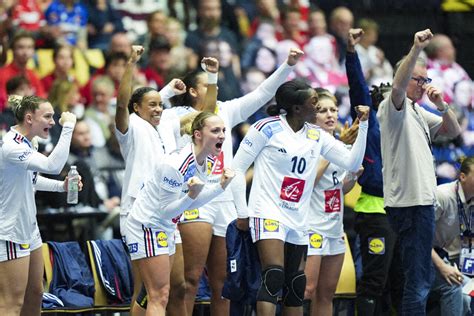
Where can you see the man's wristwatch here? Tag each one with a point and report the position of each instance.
(445, 108)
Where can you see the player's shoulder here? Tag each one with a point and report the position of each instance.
(269, 126)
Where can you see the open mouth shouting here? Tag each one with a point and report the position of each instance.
(218, 148)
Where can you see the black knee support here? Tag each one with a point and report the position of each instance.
(273, 278)
(294, 289)
(142, 298)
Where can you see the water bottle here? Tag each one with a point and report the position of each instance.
(73, 186)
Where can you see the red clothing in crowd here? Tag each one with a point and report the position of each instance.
(11, 70)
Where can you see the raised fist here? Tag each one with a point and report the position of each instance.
(362, 112)
(422, 38)
(178, 86)
(210, 64)
(67, 117)
(294, 55)
(354, 37)
(137, 52)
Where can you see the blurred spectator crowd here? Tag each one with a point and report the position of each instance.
(86, 44)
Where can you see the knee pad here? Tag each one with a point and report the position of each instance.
(273, 279)
(142, 298)
(295, 286)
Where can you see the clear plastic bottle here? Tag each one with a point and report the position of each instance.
(73, 186)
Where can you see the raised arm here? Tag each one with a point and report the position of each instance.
(405, 70)
(351, 159)
(125, 90)
(174, 87)
(358, 90)
(54, 163)
(211, 66)
(241, 108)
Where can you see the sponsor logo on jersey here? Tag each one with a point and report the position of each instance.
(315, 241)
(292, 189)
(332, 201)
(377, 246)
(25, 155)
(288, 206)
(247, 142)
(172, 182)
(191, 214)
(313, 134)
(218, 167)
(24, 246)
(282, 150)
(189, 172)
(132, 248)
(161, 239)
(270, 225)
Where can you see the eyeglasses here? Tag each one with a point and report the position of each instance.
(421, 81)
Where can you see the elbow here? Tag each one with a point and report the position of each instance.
(451, 132)
(354, 168)
(55, 169)
(457, 131)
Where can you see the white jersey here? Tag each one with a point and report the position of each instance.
(327, 203)
(285, 167)
(164, 196)
(236, 111)
(19, 167)
(143, 147)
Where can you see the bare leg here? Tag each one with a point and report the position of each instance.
(155, 273)
(177, 306)
(328, 277)
(196, 239)
(313, 265)
(13, 282)
(34, 288)
(135, 309)
(216, 266)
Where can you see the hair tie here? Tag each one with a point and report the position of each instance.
(15, 101)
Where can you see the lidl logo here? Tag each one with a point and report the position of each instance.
(162, 239)
(313, 134)
(377, 246)
(270, 225)
(24, 246)
(315, 241)
(191, 214)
